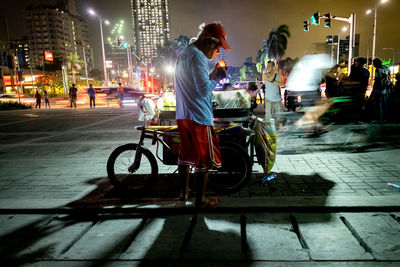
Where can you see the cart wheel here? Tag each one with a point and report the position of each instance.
(132, 183)
(235, 171)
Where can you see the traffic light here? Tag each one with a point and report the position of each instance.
(315, 18)
(306, 26)
(119, 42)
(328, 20)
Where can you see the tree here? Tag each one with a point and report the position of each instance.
(74, 62)
(277, 42)
(262, 58)
(52, 82)
(169, 52)
(248, 71)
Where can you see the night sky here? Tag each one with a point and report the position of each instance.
(248, 22)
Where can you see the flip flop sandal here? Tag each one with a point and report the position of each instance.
(212, 203)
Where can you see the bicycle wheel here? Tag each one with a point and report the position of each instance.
(235, 171)
(126, 180)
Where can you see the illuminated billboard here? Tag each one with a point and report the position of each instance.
(48, 56)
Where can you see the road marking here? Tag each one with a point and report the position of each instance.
(28, 142)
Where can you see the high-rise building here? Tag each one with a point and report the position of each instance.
(21, 51)
(115, 50)
(57, 29)
(150, 26)
(332, 44)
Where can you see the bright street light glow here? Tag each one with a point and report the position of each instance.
(91, 12)
(169, 69)
(369, 11)
(106, 22)
(384, 1)
(344, 29)
(121, 37)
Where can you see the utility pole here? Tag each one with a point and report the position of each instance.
(84, 59)
(351, 20)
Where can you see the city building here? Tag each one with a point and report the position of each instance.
(21, 52)
(57, 29)
(150, 20)
(332, 44)
(116, 52)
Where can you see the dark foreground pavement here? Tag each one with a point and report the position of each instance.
(330, 205)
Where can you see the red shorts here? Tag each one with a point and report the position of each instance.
(199, 146)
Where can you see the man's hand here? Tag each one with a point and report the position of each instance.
(218, 73)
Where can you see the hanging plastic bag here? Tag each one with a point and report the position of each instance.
(265, 142)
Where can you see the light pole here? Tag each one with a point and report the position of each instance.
(375, 15)
(83, 44)
(152, 69)
(91, 12)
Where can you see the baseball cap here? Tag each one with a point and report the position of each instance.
(218, 31)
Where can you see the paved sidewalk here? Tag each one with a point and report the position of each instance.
(329, 206)
(60, 157)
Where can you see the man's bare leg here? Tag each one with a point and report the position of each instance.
(184, 176)
(201, 185)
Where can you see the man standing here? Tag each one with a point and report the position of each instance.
(73, 93)
(361, 75)
(120, 91)
(194, 115)
(273, 100)
(381, 90)
(92, 95)
(38, 98)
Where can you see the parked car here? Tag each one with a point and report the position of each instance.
(8, 97)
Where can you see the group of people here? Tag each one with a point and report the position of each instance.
(384, 95)
(38, 98)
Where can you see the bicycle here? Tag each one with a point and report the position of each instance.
(133, 168)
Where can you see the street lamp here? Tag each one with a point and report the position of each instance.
(91, 12)
(369, 11)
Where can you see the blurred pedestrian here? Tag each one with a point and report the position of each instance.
(194, 115)
(120, 91)
(73, 94)
(92, 96)
(273, 100)
(260, 92)
(361, 75)
(253, 92)
(332, 80)
(394, 100)
(381, 90)
(46, 98)
(38, 98)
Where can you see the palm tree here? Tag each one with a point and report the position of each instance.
(74, 63)
(277, 42)
(262, 58)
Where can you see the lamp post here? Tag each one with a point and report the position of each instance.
(91, 12)
(375, 16)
